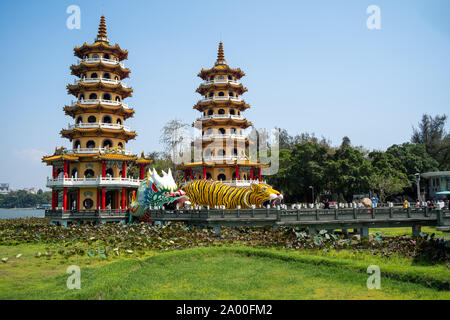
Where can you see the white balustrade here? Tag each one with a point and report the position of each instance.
(97, 150)
(224, 158)
(103, 80)
(208, 82)
(107, 61)
(99, 181)
(223, 136)
(221, 116)
(221, 98)
(102, 101)
(99, 125)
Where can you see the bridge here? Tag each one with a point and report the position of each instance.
(360, 219)
(314, 219)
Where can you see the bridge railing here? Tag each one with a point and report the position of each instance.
(299, 216)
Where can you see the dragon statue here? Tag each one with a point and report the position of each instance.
(162, 191)
(157, 191)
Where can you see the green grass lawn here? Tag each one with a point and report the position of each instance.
(218, 273)
(407, 231)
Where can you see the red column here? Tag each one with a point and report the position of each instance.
(65, 199)
(124, 169)
(185, 174)
(103, 169)
(192, 175)
(204, 173)
(78, 200)
(53, 199)
(54, 172)
(65, 169)
(251, 173)
(259, 174)
(98, 199)
(142, 174)
(103, 198)
(123, 199)
(237, 172)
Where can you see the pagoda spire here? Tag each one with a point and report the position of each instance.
(101, 36)
(220, 55)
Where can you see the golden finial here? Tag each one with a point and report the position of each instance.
(101, 36)
(220, 55)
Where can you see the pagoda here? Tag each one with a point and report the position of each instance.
(222, 125)
(93, 175)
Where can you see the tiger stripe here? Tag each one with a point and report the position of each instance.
(214, 193)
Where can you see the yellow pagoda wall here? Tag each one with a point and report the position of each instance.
(98, 141)
(99, 116)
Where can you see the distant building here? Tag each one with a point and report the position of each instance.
(438, 184)
(31, 190)
(4, 188)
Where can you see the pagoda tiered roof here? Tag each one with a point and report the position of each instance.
(220, 67)
(79, 108)
(242, 123)
(94, 132)
(101, 44)
(100, 64)
(204, 105)
(205, 88)
(118, 88)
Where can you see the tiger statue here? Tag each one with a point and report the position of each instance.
(214, 193)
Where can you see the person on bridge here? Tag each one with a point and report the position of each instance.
(405, 204)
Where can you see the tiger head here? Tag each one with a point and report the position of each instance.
(265, 194)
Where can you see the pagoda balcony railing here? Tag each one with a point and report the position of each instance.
(221, 98)
(208, 82)
(107, 61)
(102, 101)
(97, 150)
(224, 158)
(221, 116)
(99, 181)
(103, 80)
(224, 136)
(99, 125)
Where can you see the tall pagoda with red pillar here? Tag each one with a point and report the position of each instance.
(224, 145)
(93, 175)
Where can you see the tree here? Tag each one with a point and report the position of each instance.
(387, 177)
(431, 132)
(412, 159)
(301, 167)
(348, 171)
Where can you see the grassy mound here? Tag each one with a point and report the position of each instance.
(223, 273)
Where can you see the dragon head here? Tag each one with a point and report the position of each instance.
(157, 191)
(163, 191)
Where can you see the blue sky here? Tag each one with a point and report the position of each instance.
(312, 66)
